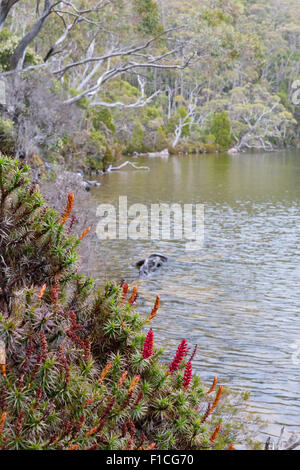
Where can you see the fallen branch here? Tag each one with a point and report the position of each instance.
(113, 168)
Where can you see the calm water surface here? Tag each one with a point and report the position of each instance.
(238, 298)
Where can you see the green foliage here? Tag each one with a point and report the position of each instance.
(181, 112)
(8, 44)
(108, 157)
(137, 140)
(104, 116)
(220, 129)
(149, 16)
(97, 139)
(83, 102)
(215, 16)
(33, 244)
(7, 139)
(6, 127)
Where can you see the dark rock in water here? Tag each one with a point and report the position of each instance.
(150, 264)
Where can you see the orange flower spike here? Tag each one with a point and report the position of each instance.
(155, 308)
(212, 388)
(215, 434)
(217, 399)
(2, 422)
(69, 208)
(122, 379)
(231, 447)
(3, 368)
(125, 291)
(151, 446)
(134, 384)
(133, 295)
(87, 230)
(91, 431)
(105, 372)
(75, 447)
(42, 291)
(88, 402)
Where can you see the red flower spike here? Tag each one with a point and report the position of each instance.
(187, 375)
(179, 356)
(148, 345)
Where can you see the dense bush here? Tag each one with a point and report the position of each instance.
(220, 129)
(78, 371)
(33, 243)
(6, 135)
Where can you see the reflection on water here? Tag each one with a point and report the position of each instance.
(238, 297)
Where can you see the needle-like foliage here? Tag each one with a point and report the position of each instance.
(33, 245)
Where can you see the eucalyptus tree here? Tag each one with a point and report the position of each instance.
(79, 49)
(91, 43)
(258, 119)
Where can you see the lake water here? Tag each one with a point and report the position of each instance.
(238, 297)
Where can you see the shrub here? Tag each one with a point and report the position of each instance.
(77, 370)
(7, 139)
(80, 374)
(104, 116)
(33, 244)
(220, 129)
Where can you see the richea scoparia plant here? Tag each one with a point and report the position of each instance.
(79, 367)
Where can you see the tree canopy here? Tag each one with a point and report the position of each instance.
(189, 61)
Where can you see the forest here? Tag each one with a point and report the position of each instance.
(190, 77)
(88, 87)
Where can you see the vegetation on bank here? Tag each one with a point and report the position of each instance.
(79, 366)
(102, 79)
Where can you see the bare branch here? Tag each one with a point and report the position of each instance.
(114, 168)
(139, 103)
(117, 71)
(119, 53)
